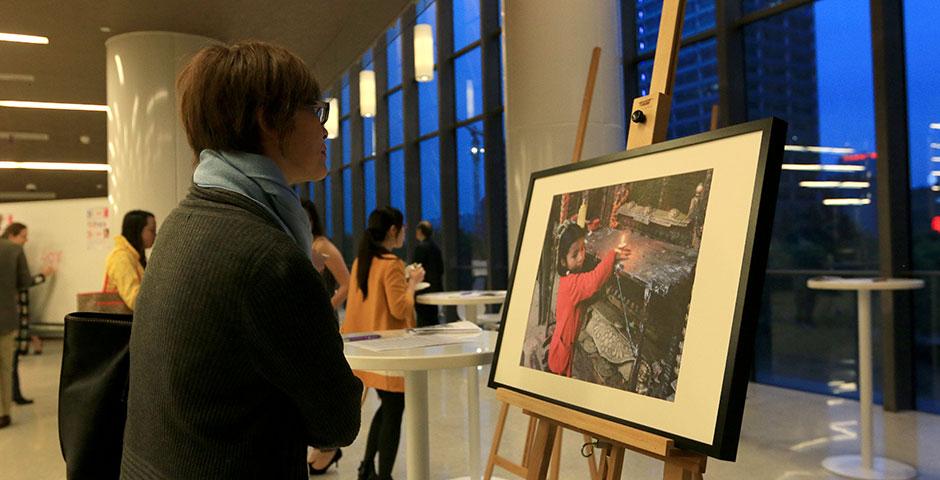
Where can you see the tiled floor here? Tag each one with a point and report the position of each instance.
(786, 434)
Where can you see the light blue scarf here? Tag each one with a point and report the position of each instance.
(258, 178)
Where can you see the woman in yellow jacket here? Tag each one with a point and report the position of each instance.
(124, 267)
(381, 298)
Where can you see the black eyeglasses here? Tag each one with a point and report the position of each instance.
(321, 109)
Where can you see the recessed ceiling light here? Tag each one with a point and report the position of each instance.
(31, 187)
(85, 139)
(54, 106)
(16, 77)
(86, 167)
(106, 29)
(15, 37)
(12, 136)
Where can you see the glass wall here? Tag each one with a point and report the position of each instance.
(809, 63)
(921, 18)
(405, 165)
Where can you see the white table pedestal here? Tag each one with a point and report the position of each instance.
(866, 465)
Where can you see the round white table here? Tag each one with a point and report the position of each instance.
(414, 365)
(866, 466)
(470, 299)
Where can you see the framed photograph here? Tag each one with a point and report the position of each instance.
(637, 281)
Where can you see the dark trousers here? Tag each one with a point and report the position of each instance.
(427, 315)
(385, 432)
(17, 394)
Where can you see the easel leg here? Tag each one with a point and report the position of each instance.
(497, 438)
(614, 462)
(593, 460)
(529, 437)
(556, 455)
(541, 449)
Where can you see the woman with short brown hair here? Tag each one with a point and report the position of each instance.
(237, 361)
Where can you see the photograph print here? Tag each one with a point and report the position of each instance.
(614, 283)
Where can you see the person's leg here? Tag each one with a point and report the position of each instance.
(372, 441)
(7, 344)
(393, 404)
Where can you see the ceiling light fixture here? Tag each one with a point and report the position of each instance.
(367, 93)
(13, 136)
(15, 37)
(812, 149)
(935, 126)
(84, 107)
(834, 202)
(17, 77)
(332, 122)
(834, 184)
(815, 167)
(424, 52)
(83, 167)
(120, 68)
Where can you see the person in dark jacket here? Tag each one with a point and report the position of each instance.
(429, 256)
(236, 359)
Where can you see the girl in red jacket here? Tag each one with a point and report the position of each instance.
(575, 287)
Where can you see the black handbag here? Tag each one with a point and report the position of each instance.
(93, 394)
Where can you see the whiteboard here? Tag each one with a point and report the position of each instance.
(63, 226)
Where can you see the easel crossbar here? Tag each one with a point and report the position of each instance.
(632, 438)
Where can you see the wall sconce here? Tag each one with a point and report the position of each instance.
(424, 53)
(367, 93)
(332, 122)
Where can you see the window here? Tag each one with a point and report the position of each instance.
(396, 124)
(427, 107)
(431, 182)
(348, 229)
(472, 250)
(800, 65)
(347, 140)
(393, 55)
(368, 137)
(328, 205)
(468, 85)
(396, 174)
(695, 89)
(368, 174)
(921, 18)
(344, 97)
(466, 22)
(699, 17)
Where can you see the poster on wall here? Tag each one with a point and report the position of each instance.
(98, 228)
(635, 289)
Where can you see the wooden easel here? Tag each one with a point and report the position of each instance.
(648, 123)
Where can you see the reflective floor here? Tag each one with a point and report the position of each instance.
(786, 434)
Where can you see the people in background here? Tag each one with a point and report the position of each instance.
(124, 267)
(14, 277)
(335, 275)
(238, 362)
(334, 272)
(380, 298)
(429, 256)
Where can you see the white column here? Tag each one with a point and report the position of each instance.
(547, 49)
(151, 162)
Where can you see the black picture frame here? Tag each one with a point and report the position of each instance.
(740, 348)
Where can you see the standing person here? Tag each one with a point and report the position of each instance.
(429, 256)
(381, 299)
(336, 278)
(124, 267)
(14, 277)
(237, 360)
(334, 272)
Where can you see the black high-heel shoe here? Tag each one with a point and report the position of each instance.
(337, 454)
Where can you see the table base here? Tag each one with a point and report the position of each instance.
(882, 468)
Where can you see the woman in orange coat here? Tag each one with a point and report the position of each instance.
(381, 298)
